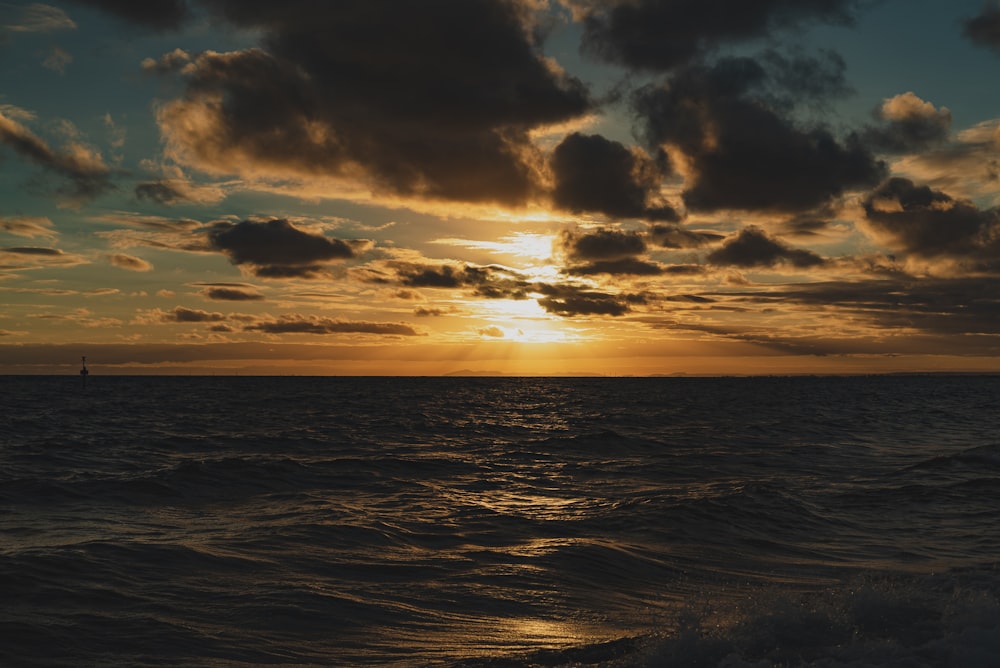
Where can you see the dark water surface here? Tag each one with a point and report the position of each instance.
(500, 522)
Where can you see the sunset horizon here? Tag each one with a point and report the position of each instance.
(518, 360)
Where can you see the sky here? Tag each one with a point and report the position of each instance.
(612, 187)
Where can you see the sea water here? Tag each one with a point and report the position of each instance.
(211, 521)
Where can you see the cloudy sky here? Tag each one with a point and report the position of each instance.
(511, 186)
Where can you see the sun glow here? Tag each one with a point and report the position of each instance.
(526, 334)
(528, 245)
(523, 321)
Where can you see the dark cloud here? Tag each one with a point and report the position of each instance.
(33, 250)
(571, 300)
(625, 266)
(431, 99)
(89, 177)
(603, 251)
(594, 174)
(909, 124)
(732, 123)
(154, 14)
(301, 324)
(445, 276)
(753, 248)
(602, 244)
(503, 288)
(674, 236)
(187, 315)
(491, 282)
(238, 286)
(930, 223)
(276, 248)
(984, 29)
(616, 252)
(231, 294)
(664, 34)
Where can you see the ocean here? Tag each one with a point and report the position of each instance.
(500, 522)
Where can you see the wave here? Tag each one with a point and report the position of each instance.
(877, 621)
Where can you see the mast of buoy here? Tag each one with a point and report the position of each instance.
(83, 371)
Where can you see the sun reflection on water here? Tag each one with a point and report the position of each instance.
(534, 505)
(538, 632)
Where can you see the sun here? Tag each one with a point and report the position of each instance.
(529, 245)
(522, 321)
